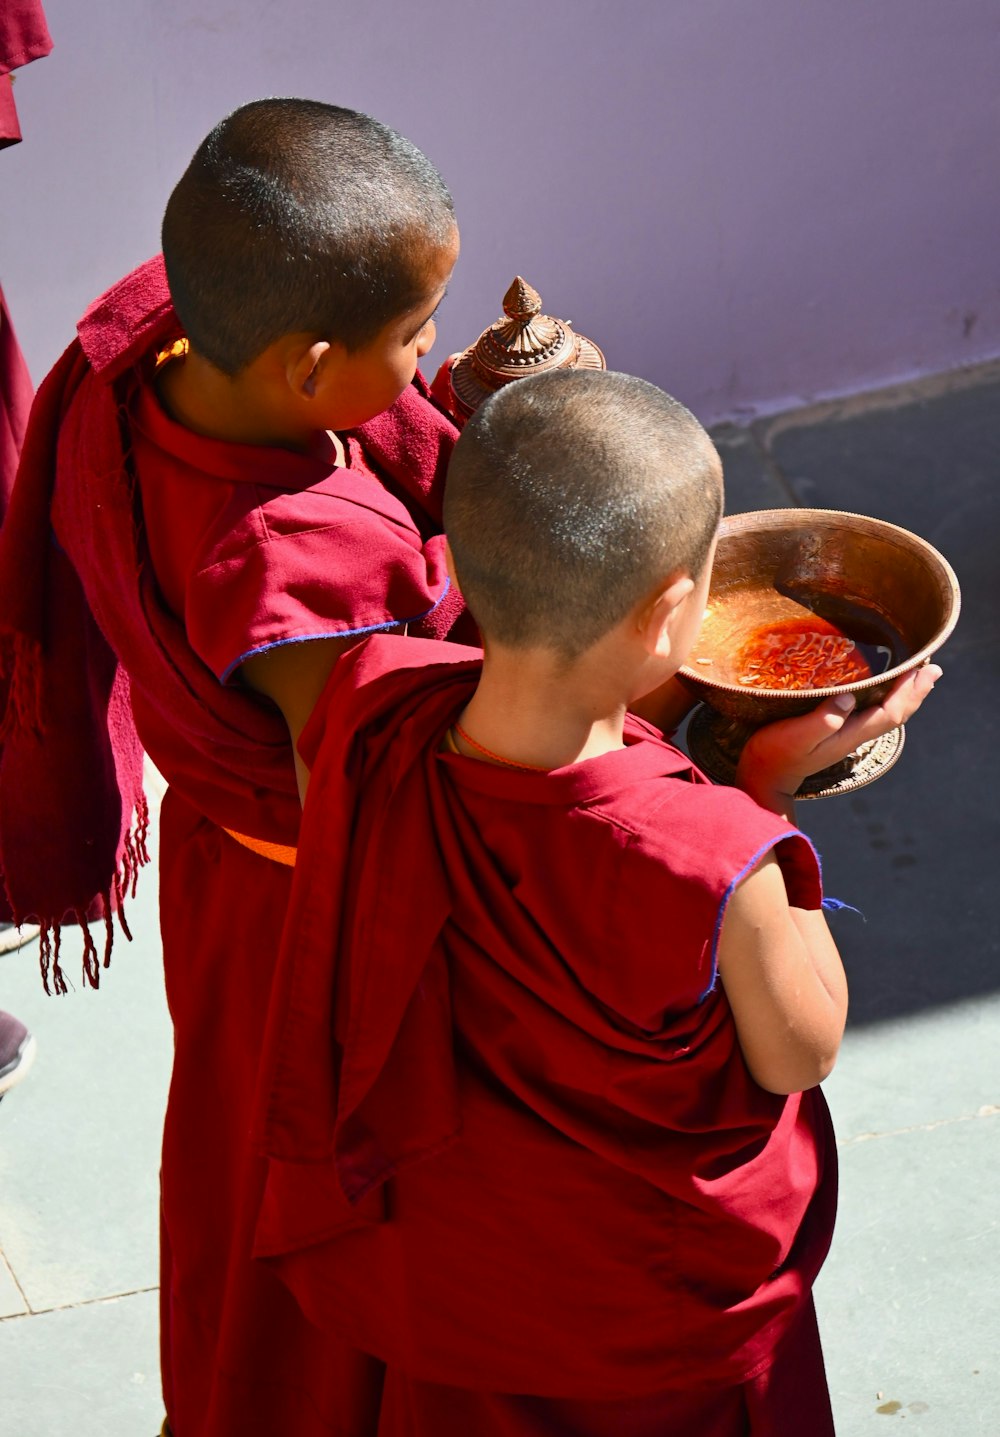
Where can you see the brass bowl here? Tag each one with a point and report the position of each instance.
(878, 583)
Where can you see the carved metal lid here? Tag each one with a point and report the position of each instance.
(523, 342)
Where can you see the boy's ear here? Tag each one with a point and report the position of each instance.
(304, 366)
(658, 614)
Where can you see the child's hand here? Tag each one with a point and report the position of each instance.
(781, 755)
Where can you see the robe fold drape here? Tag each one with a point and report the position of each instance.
(511, 1144)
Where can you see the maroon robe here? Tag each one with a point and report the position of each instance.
(24, 36)
(16, 393)
(511, 1143)
(261, 547)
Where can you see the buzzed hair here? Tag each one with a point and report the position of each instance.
(296, 215)
(570, 495)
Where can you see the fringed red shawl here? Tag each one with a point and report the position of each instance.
(81, 630)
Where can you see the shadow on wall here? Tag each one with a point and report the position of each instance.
(913, 850)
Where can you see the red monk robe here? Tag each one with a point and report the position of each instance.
(16, 392)
(24, 36)
(512, 1144)
(190, 554)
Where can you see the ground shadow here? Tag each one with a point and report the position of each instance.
(914, 851)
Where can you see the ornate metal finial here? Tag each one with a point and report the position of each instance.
(523, 341)
(522, 301)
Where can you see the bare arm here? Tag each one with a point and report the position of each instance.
(779, 965)
(784, 981)
(294, 676)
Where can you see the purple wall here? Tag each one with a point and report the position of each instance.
(751, 204)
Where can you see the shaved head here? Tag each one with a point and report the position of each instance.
(570, 496)
(297, 216)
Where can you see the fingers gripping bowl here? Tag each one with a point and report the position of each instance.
(806, 604)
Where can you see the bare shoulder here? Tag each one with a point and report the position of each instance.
(293, 675)
(759, 899)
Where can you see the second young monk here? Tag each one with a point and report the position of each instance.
(243, 473)
(542, 1113)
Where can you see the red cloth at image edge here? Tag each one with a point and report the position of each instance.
(24, 36)
(16, 394)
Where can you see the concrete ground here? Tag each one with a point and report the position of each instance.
(909, 1300)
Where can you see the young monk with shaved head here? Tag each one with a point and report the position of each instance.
(541, 1100)
(243, 473)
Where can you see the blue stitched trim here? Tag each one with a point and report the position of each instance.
(836, 905)
(333, 634)
(733, 885)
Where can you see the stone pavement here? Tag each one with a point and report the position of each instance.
(909, 1300)
(79, 1158)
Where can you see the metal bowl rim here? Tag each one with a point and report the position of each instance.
(732, 523)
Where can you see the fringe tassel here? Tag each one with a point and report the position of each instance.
(121, 884)
(109, 929)
(141, 828)
(135, 855)
(48, 958)
(91, 961)
(20, 664)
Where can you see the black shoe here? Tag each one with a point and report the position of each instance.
(17, 1051)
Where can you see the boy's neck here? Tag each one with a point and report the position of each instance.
(533, 711)
(208, 402)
